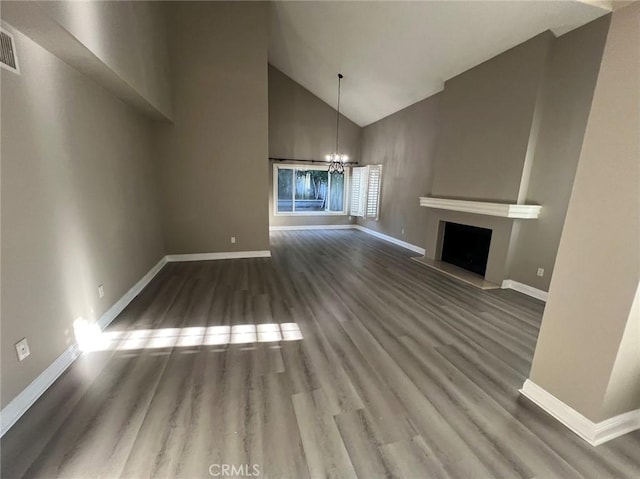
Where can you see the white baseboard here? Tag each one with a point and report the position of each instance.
(391, 239)
(525, 289)
(215, 256)
(23, 401)
(311, 227)
(124, 301)
(592, 432)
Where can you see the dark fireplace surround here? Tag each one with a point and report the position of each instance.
(466, 246)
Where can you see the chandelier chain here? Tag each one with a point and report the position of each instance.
(337, 160)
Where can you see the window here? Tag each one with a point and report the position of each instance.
(365, 191)
(309, 190)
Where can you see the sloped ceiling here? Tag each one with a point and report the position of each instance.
(396, 53)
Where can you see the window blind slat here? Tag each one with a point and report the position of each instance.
(356, 191)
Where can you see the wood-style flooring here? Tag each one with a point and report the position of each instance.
(401, 372)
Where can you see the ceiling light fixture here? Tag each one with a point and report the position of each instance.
(335, 159)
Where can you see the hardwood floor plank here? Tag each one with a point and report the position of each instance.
(165, 425)
(299, 368)
(333, 379)
(283, 454)
(325, 452)
(361, 444)
(408, 459)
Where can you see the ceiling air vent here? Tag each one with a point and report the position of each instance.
(8, 58)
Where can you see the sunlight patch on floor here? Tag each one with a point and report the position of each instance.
(90, 338)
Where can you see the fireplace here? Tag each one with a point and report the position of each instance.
(466, 247)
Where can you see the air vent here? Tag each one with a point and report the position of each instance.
(8, 58)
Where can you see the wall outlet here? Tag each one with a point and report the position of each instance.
(233, 240)
(101, 291)
(540, 271)
(402, 231)
(22, 348)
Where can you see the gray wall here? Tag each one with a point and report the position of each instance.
(79, 207)
(472, 140)
(129, 37)
(565, 103)
(120, 45)
(404, 143)
(303, 127)
(594, 289)
(213, 158)
(486, 117)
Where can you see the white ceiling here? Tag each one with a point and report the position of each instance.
(394, 53)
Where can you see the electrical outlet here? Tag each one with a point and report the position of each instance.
(402, 231)
(100, 291)
(233, 240)
(540, 271)
(22, 348)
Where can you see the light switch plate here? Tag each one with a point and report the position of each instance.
(22, 348)
(101, 291)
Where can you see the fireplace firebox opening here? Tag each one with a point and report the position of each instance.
(466, 247)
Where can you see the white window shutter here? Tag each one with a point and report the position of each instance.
(373, 192)
(365, 191)
(357, 183)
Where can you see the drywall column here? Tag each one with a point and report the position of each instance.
(598, 264)
(214, 157)
(565, 104)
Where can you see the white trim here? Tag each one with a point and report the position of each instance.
(215, 256)
(113, 312)
(594, 433)
(483, 208)
(391, 239)
(525, 289)
(312, 227)
(23, 401)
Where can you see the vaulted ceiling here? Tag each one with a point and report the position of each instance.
(395, 53)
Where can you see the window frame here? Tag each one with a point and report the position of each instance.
(346, 186)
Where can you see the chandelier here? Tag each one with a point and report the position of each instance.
(336, 159)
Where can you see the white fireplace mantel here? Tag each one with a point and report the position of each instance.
(481, 208)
